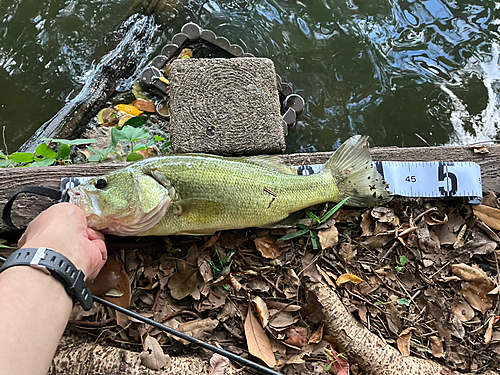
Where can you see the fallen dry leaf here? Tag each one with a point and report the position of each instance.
(257, 341)
(488, 335)
(317, 335)
(297, 336)
(200, 329)
(433, 219)
(182, 284)
(489, 215)
(366, 224)
(268, 247)
(218, 363)
(436, 347)
(462, 310)
(262, 311)
(479, 149)
(113, 284)
(282, 306)
(347, 252)
(383, 214)
(347, 277)
(282, 320)
(328, 237)
(153, 356)
(475, 286)
(144, 105)
(404, 341)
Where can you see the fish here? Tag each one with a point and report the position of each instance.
(200, 194)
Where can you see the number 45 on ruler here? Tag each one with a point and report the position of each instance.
(432, 179)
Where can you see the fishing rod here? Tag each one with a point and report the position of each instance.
(191, 339)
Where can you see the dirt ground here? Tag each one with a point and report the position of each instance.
(421, 275)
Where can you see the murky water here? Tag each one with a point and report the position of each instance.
(388, 68)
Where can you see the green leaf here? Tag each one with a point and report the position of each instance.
(165, 146)
(71, 142)
(139, 146)
(333, 210)
(403, 260)
(134, 156)
(43, 163)
(403, 301)
(315, 240)
(94, 158)
(156, 138)
(378, 303)
(6, 163)
(289, 236)
(136, 122)
(399, 268)
(22, 157)
(45, 151)
(313, 216)
(134, 134)
(3, 156)
(63, 152)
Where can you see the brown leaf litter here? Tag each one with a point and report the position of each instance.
(422, 276)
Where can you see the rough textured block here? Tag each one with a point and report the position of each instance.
(225, 107)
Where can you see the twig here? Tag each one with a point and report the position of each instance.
(90, 324)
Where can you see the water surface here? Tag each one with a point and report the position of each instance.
(389, 69)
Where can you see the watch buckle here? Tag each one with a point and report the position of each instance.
(39, 255)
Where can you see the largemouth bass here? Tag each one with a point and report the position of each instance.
(198, 194)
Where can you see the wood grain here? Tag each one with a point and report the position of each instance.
(27, 206)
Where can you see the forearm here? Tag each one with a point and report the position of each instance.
(34, 310)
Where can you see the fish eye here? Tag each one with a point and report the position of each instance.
(101, 183)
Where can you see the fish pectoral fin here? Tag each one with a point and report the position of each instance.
(198, 209)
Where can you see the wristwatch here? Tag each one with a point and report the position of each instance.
(57, 265)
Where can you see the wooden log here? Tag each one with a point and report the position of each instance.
(25, 209)
(117, 64)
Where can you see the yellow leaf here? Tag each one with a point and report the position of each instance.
(489, 215)
(346, 277)
(127, 108)
(164, 80)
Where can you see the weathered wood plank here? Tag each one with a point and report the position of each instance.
(12, 179)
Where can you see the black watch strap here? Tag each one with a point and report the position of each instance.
(57, 265)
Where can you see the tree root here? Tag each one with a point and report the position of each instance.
(75, 356)
(374, 356)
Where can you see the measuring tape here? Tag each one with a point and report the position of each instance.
(434, 179)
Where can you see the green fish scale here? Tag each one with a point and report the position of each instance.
(220, 193)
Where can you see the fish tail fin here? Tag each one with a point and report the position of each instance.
(351, 166)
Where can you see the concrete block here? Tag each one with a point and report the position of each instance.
(225, 107)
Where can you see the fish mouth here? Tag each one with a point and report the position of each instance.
(119, 224)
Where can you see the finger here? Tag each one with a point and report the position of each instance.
(101, 246)
(94, 235)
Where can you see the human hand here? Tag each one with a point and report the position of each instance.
(63, 227)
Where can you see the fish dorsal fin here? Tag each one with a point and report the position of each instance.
(269, 161)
